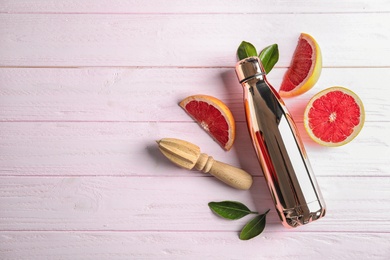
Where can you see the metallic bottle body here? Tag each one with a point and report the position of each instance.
(279, 149)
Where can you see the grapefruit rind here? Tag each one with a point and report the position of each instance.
(222, 108)
(312, 76)
(356, 129)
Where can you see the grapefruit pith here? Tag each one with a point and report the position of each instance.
(305, 68)
(334, 116)
(213, 116)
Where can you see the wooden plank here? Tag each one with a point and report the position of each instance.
(191, 245)
(119, 94)
(129, 149)
(80, 173)
(210, 41)
(358, 204)
(192, 6)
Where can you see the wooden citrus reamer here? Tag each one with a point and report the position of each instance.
(189, 156)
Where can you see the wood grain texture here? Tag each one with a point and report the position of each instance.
(86, 87)
(153, 94)
(176, 204)
(209, 40)
(191, 6)
(129, 149)
(191, 245)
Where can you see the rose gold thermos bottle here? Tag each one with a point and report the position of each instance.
(279, 148)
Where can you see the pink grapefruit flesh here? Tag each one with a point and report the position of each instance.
(213, 116)
(334, 116)
(305, 68)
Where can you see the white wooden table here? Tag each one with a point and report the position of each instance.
(86, 87)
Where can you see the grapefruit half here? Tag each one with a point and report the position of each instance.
(305, 68)
(334, 116)
(213, 116)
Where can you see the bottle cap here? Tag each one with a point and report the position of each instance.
(248, 68)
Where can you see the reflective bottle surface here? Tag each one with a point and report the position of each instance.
(279, 148)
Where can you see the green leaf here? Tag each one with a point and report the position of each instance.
(230, 209)
(269, 56)
(254, 227)
(245, 50)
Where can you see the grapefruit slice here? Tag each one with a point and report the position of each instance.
(213, 116)
(334, 116)
(305, 68)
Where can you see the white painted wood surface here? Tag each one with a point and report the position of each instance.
(86, 87)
